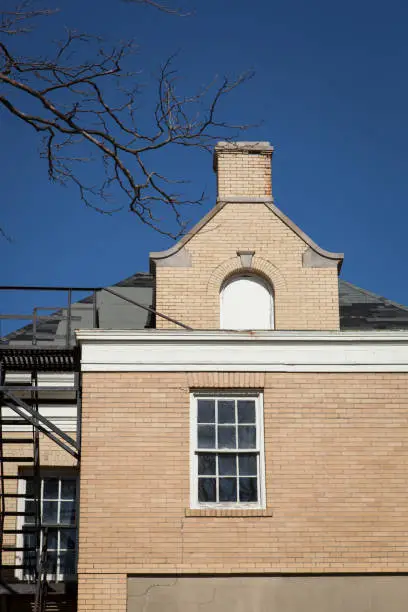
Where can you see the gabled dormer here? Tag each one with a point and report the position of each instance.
(245, 265)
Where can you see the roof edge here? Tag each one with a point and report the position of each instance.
(261, 336)
(374, 295)
(269, 203)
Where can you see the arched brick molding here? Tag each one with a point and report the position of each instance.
(264, 268)
(260, 266)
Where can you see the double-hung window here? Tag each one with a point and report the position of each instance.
(58, 513)
(227, 451)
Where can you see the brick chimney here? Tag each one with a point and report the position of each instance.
(244, 169)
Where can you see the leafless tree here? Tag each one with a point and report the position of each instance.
(87, 110)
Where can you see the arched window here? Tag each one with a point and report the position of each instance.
(246, 302)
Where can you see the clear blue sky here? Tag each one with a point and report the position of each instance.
(331, 91)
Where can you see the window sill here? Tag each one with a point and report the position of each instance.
(227, 512)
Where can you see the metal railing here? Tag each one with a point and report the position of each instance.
(48, 323)
(52, 326)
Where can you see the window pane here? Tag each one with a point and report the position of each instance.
(227, 465)
(68, 489)
(226, 411)
(50, 488)
(50, 512)
(52, 562)
(228, 489)
(67, 539)
(246, 436)
(206, 490)
(248, 465)
(226, 437)
(52, 539)
(205, 411)
(29, 559)
(248, 490)
(206, 465)
(29, 540)
(67, 512)
(67, 562)
(30, 508)
(206, 436)
(246, 411)
(29, 491)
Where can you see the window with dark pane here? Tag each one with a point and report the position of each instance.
(227, 451)
(207, 489)
(226, 411)
(205, 411)
(58, 513)
(246, 411)
(206, 436)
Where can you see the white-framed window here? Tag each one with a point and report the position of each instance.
(58, 514)
(246, 302)
(227, 450)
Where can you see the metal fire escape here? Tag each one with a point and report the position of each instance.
(43, 347)
(46, 344)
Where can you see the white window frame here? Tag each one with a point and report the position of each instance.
(195, 451)
(61, 474)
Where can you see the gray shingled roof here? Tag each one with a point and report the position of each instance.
(364, 310)
(359, 310)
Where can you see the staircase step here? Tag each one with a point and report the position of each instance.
(14, 422)
(17, 459)
(15, 495)
(20, 566)
(29, 589)
(17, 441)
(32, 529)
(17, 513)
(17, 477)
(7, 548)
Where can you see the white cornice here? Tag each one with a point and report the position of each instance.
(156, 335)
(273, 351)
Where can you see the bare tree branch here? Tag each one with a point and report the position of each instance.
(87, 112)
(18, 20)
(162, 7)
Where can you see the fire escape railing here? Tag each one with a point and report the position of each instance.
(35, 333)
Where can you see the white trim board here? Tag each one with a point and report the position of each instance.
(226, 351)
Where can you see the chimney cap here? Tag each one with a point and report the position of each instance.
(247, 146)
(244, 145)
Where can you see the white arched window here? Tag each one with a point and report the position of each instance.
(246, 303)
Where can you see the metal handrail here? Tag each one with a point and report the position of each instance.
(66, 313)
(60, 313)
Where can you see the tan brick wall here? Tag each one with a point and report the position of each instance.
(244, 174)
(102, 593)
(336, 476)
(305, 298)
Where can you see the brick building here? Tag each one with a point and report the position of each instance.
(245, 451)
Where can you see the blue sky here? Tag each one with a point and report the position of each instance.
(330, 92)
